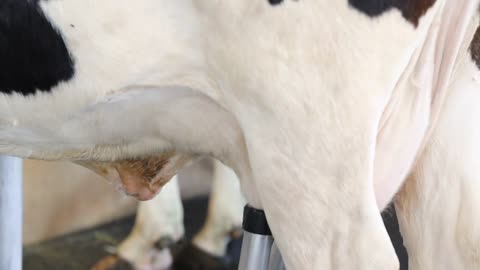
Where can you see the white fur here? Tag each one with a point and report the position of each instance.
(292, 97)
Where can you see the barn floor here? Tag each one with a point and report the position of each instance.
(79, 251)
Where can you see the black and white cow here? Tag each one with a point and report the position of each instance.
(324, 109)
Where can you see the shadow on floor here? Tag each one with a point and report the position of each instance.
(80, 250)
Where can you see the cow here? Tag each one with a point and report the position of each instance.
(159, 228)
(326, 110)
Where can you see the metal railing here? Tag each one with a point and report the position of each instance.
(10, 213)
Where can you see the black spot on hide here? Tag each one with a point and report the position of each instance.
(33, 54)
(412, 10)
(275, 2)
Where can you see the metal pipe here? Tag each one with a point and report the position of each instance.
(255, 251)
(10, 213)
(276, 260)
(257, 240)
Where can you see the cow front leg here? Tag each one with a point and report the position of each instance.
(209, 247)
(319, 199)
(312, 236)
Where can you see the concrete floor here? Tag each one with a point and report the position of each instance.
(79, 251)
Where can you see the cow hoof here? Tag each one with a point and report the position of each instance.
(236, 233)
(112, 262)
(166, 242)
(192, 258)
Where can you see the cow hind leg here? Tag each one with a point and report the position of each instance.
(159, 222)
(439, 206)
(208, 249)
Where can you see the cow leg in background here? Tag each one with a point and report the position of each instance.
(10, 213)
(439, 207)
(158, 221)
(224, 220)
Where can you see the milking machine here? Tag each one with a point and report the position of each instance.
(259, 251)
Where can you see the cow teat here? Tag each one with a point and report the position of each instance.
(141, 177)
